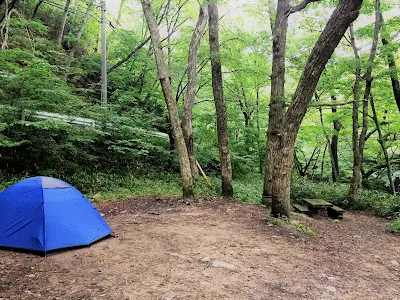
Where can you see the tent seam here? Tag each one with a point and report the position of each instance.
(44, 219)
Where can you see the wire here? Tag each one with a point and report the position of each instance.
(56, 5)
(121, 38)
(62, 3)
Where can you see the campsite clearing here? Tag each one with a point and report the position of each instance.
(214, 249)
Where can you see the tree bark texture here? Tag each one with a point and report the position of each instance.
(220, 104)
(277, 101)
(392, 65)
(383, 146)
(198, 33)
(63, 23)
(356, 104)
(285, 126)
(334, 146)
(187, 181)
(359, 154)
(80, 32)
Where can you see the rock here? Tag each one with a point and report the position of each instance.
(331, 289)
(206, 274)
(331, 278)
(30, 275)
(395, 263)
(177, 255)
(224, 265)
(357, 236)
(206, 259)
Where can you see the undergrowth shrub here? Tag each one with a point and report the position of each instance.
(380, 203)
(395, 226)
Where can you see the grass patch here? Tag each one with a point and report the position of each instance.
(301, 228)
(304, 216)
(277, 221)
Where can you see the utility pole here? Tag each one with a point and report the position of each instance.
(103, 54)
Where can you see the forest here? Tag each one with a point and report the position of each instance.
(262, 101)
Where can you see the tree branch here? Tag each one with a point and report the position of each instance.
(300, 6)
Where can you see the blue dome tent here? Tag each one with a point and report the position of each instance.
(45, 214)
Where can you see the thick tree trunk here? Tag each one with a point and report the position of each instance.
(285, 136)
(198, 33)
(277, 101)
(392, 65)
(63, 23)
(383, 146)
(220, 104)
(334, 146)
(187, 181)
(80, 32)
(359, 154)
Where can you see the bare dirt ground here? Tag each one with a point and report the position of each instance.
(213, 250)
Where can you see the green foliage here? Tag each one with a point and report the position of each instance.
(277, 221)
(380, 203)
(395, 226)
(120, 157)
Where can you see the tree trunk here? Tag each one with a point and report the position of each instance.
(198, 33)
(329, 142)
(260, 155)
(8, 9)
(63, 23)
(80, 32)
(35, 11)
(383, 146)
(359, 154)
(334, 146)
(187, 181)
(284, 136)
(356, 98)
(323, 162)
(277, 102)
(121, 6)
(392, 65)
(220, 104)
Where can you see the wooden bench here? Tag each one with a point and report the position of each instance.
(335, 212)
(300, 208)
